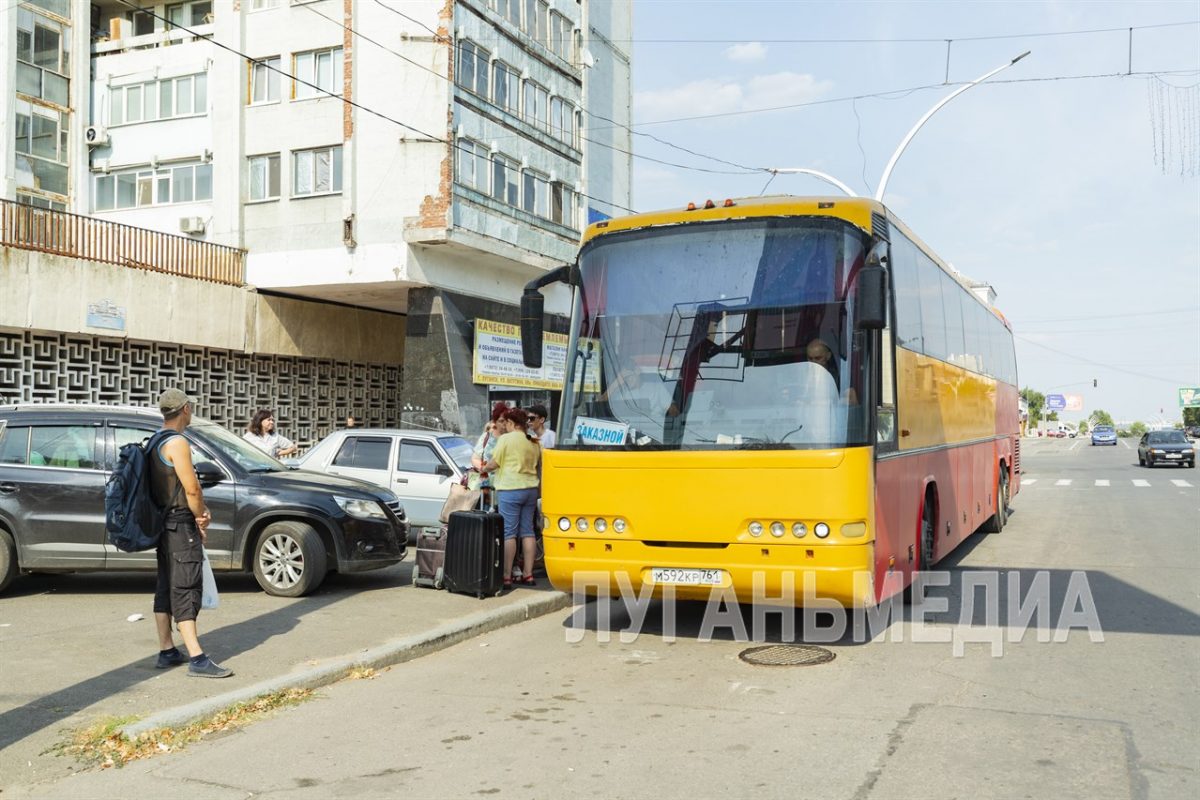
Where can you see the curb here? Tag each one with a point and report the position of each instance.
(396, 651)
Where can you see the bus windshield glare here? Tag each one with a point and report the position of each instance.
(730, 335)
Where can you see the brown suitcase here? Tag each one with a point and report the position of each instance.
(430, 559)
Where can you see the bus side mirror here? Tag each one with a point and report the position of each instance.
(870, 312)
(532, 305)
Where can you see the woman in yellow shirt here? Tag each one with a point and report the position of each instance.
(514, 464)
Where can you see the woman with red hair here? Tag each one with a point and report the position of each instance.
(479, 478)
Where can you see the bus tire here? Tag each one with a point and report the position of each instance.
(996, 522)
(925, 543)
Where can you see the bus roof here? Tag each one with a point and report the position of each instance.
(858, 211)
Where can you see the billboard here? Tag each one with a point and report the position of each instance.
(1189, 397)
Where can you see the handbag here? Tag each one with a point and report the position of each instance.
(460, 499)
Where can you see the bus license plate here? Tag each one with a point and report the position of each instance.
(686, 577)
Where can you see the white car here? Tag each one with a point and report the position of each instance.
(418, 465)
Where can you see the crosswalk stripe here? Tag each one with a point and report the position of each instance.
(1028, 481)
(1063, 482)
(1101, 482)
(1139, 482)
(1184, 484)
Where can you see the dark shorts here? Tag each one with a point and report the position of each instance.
(180, 577)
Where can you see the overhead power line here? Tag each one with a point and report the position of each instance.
(1102, 364)
(1180, 310)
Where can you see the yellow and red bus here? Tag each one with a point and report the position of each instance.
(769, 388)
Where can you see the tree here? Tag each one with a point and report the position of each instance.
(1037, 402)
(1191, 417)
(1100, 417)
(1083, 427)
(1052, 416)
(1137, 429)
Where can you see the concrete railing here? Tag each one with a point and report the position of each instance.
(76, 236)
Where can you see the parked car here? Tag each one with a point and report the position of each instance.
(1165, 447)
(1193, 432)
(1104, 434)
(418, 465)
(288, 527)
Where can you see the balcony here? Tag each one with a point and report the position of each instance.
(120, 30)
(76, 236)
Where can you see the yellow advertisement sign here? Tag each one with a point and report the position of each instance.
(497, 358)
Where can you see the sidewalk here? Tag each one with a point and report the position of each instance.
(72, 659)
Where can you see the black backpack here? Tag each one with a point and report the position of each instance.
(133, 521)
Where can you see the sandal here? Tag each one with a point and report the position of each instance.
(508, 583)
(528, 580)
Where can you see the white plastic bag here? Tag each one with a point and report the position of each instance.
(209, 599)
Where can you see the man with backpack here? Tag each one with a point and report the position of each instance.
(175, 488)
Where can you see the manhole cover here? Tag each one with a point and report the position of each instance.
(786, 655)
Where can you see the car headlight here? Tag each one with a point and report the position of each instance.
(361, 509)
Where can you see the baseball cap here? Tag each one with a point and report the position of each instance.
(172, 400)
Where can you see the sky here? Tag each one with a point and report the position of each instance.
(1077, 199)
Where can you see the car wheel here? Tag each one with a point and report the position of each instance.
(8, 560)
(289, 559)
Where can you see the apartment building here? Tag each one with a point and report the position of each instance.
(420, 158)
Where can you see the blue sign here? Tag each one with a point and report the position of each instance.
(1055, 402)
(600, 431)
(106, 314)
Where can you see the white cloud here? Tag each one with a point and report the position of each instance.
(747, 51)
(720, 96)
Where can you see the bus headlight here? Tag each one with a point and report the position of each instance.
(581, 525)
(821, 530)
(564, 524)
(777, 530)
(619, 525)
(756, 529)
(799, 530)
(601, 525)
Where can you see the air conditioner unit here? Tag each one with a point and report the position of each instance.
(96, 135)
(191, 224)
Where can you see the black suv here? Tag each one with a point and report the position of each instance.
(289, 527)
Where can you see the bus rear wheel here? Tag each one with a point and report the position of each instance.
(925, 555)
(996, 522)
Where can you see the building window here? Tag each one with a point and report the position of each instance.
(199, 12)
(473, 68)
(473, 165)
(317, 171)
(509, 9)
(535, 195)
(542, 28)
(560, 34)
(563, 205)
(167, 185)
(43, 58)
(505, 173)
(264, 80)
(506, 86)
(259, 5)
(184, 96)
(536, 99)
(320, 68)
(264, 177)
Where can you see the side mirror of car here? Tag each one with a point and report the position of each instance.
(444, 470)
(208, 472)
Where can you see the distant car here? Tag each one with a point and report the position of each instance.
(1104, 434)
(287, 527)
(418, 465)
(1165, 447)
(1193, 431)
(1072, 434)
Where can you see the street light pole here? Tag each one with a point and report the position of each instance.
(887, 172)
(815, 174)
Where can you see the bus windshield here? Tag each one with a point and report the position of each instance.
(719, 335)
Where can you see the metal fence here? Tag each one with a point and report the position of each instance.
(76, 236)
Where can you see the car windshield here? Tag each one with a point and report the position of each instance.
(235, 448)
(1167, 437)
(732, 334)
(458, 449)
(1103, 429)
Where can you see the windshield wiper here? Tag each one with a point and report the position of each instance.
(263, 469)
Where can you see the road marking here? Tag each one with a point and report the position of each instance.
(1184, 484)
(1077, 442)
(1063, 482)
(1140, 482)
(1028, 481)
(1101, 482)
(1125, 444)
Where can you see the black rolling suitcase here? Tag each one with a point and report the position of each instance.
(475, 553)
(429, 562)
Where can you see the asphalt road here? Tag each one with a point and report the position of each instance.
(561, 707)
